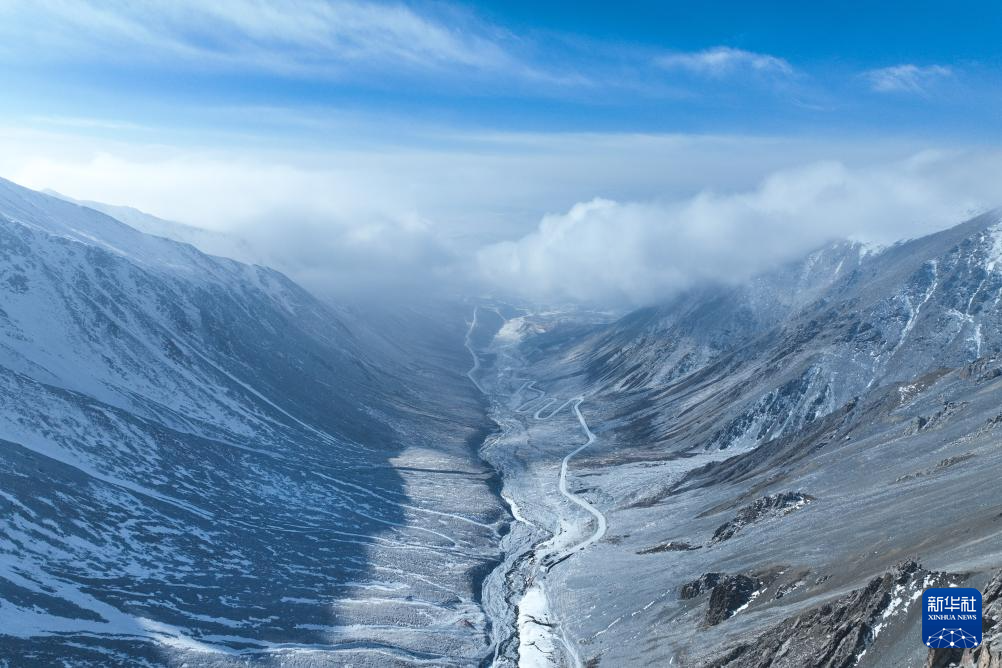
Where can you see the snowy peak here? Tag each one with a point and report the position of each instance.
(56, 217)
(207, 241)
(144, 323)
(798, 342)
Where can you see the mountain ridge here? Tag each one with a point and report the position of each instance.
(874, 392)
(204, 463)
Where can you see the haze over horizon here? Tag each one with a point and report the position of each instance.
(509, 148)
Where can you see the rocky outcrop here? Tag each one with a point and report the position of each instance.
(728, 596)
(833, 635)
(670, 546)
(705, 582)
(728, 593)
(939, 468)
(768, 506)
(938, 418)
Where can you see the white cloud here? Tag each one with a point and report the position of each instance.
(328, 227)
(406, 218)
(724, 60)
(480, 186)
(611, 252)
(287, 36)
(906, 78)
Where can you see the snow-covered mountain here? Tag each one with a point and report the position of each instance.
(801, 341)
(207, 241)
(761, 462)
(202, 463)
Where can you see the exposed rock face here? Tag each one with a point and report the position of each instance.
(767, 506)
(693, 589)
(729, 594)
(670, 546)
(989, 654)
(924, 422)
(833, 635)
(941, 466)
(945, 658)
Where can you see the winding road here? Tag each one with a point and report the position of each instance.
(472, 373)
(600, 522)
(549, 553)
(552, 559)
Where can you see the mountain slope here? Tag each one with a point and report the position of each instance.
(207, 241)
(798, 343)
(765, 450)
(201, 462)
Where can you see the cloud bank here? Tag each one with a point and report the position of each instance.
(634, 221)
(333, 229)
(606, 252)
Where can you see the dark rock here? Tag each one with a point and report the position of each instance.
(768, 506)
(696, 587)
(938, 418)
(728, 595)
(945, 658)
(790, 587)
(832, 635)
(670, 546)
(990, 375)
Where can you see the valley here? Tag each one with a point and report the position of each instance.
(690, 478)
(205, 464)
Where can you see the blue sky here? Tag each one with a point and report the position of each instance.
(915, 68)
(386, 136)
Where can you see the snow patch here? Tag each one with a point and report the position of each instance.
(537, 643)
(994, 256)
(754, 595)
